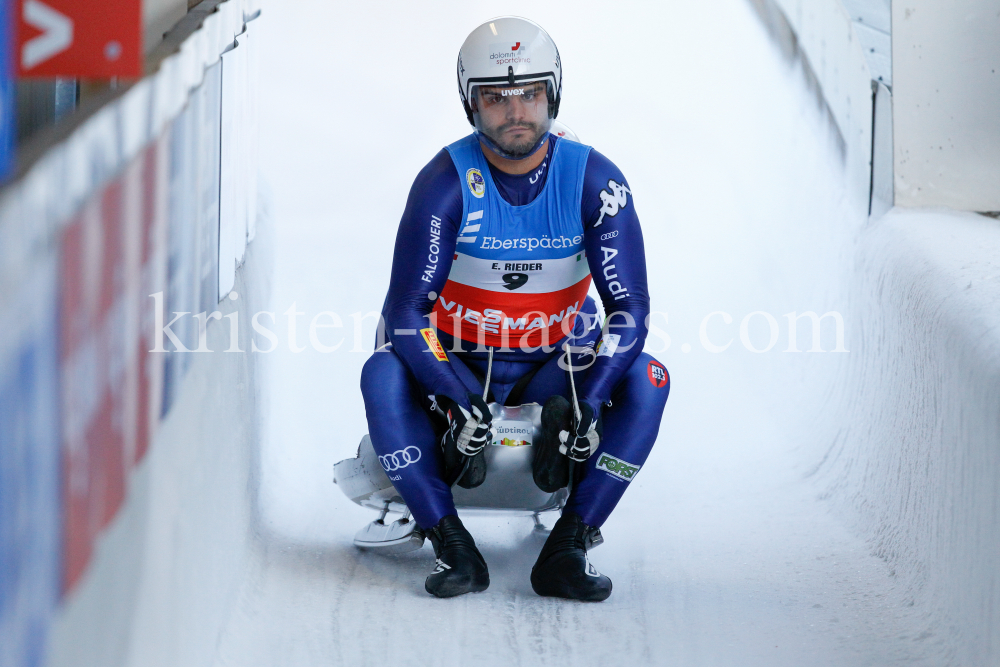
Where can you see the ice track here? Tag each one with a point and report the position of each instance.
(723, 552)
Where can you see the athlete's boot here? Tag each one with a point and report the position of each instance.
(563, 569)
(459, 568)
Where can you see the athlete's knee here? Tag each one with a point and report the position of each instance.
(652, 375)
(382, 369)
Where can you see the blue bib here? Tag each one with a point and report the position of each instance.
(519, 273)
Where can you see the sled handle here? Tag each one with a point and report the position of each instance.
(572, 383)
(489, 372)
(576, 409)
(486, 391)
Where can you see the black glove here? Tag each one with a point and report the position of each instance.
(468, 431)
(550, 468)
(584, 437)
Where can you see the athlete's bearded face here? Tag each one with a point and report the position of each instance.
(515, 117)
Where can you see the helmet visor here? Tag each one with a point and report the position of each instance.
(514, 117)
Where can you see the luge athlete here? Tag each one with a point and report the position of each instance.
(502, 234)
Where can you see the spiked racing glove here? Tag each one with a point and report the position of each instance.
(584, 437)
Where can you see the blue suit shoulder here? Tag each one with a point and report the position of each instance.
(439, 174)
(599, 174)
(437, 190)
(599, 170)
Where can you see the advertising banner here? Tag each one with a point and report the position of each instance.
(121, 217)
(109, 260)
(69, 38)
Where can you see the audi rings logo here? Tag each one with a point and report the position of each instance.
(400, 458)
(609, 235)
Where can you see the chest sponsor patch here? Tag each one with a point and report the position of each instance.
(616, 467)
(477, 184)
(657, 374)
(433, 344)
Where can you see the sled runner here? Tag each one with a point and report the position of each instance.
(508, 488)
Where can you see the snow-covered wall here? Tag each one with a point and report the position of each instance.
(913, 456)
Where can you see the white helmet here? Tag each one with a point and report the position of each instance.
(504, 54)
(561, 129)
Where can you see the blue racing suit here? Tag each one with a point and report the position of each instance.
(485, 259)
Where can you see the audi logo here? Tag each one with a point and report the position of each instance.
(400, 458)
(609, 235)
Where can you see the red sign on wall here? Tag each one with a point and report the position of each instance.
(75, 39)
(112, 258)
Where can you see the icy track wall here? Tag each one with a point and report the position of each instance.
(124, 472)
(913, 451)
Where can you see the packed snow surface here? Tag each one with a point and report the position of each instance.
(724, 551)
